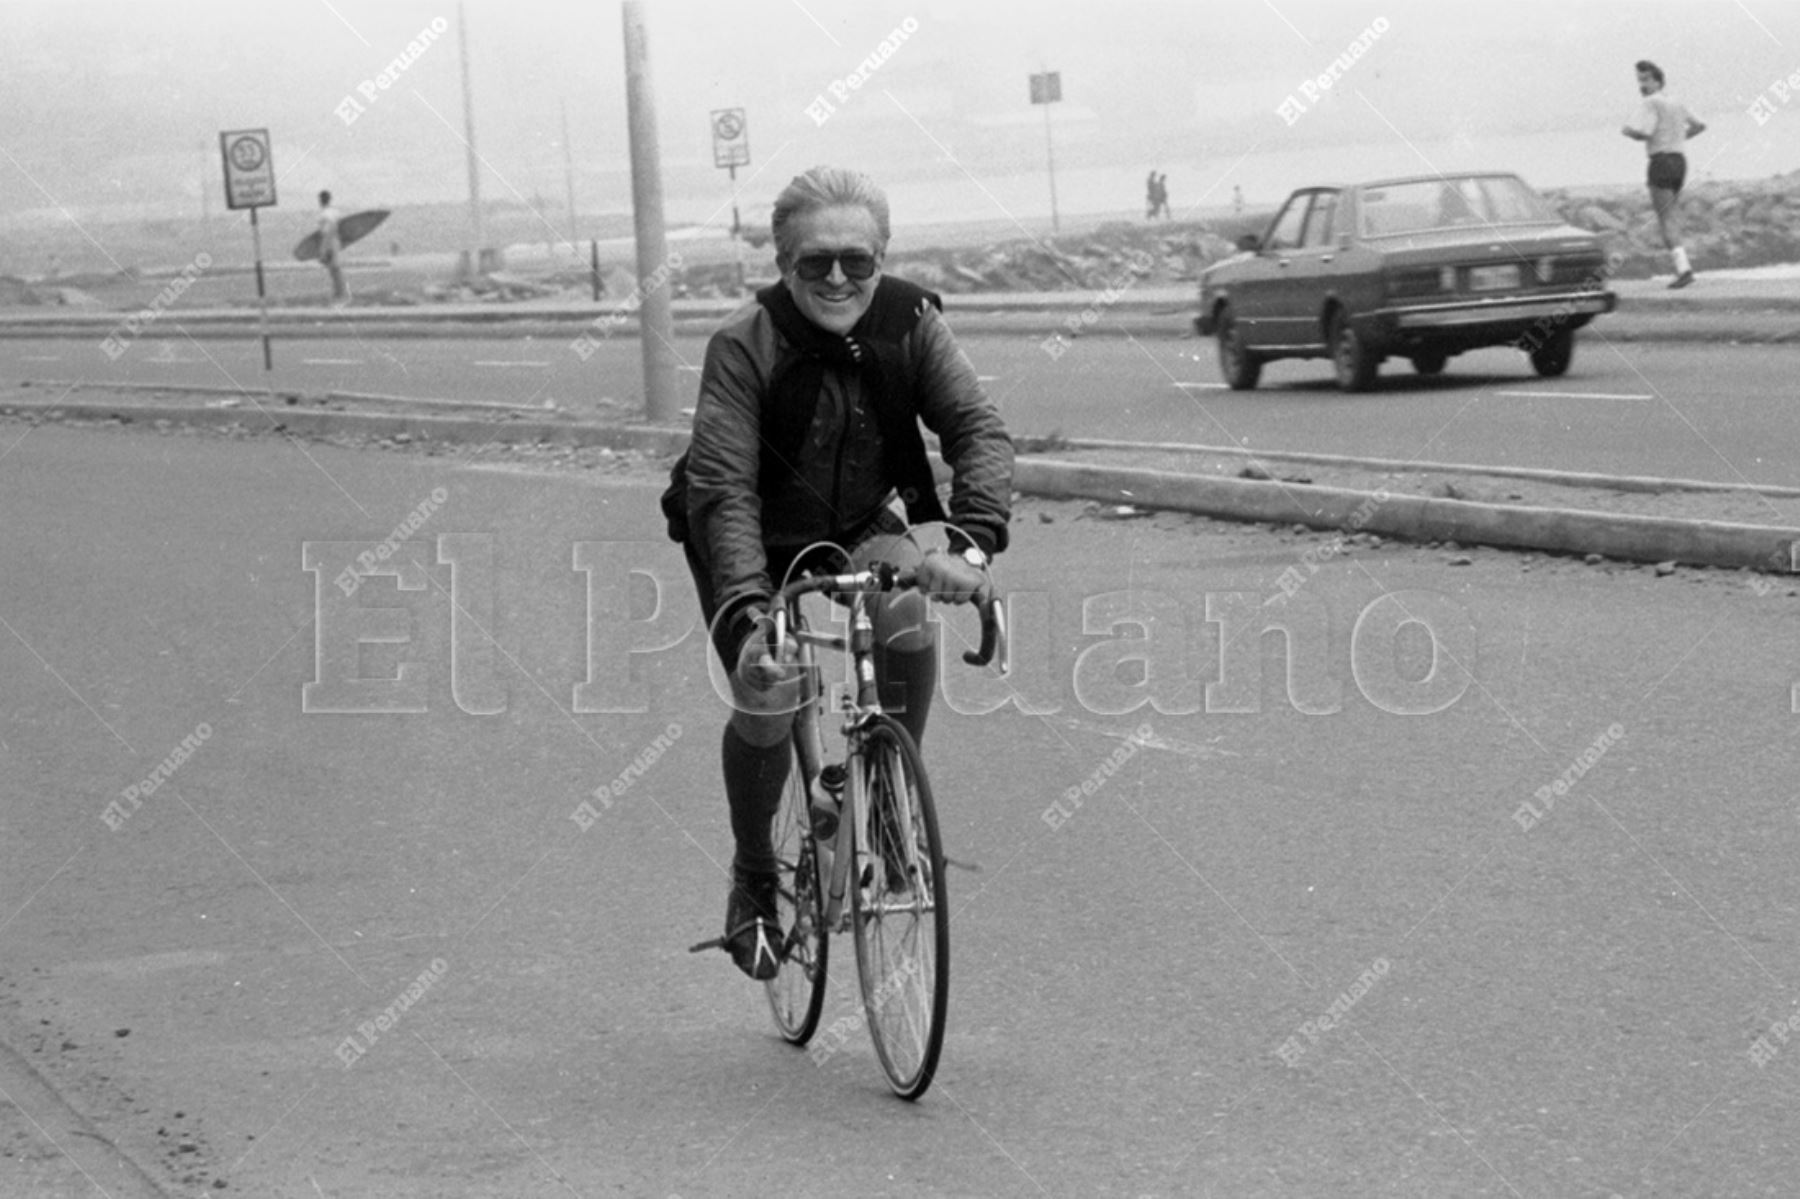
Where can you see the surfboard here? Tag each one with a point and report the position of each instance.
(351, 229)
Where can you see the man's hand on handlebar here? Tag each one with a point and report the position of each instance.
(951, 578)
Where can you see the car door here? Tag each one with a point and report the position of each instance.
(1255, 299)
(1304, 275)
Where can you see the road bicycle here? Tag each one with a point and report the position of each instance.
(880, 874)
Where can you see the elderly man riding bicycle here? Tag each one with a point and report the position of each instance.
(807, 430)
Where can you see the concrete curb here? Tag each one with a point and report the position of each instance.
(1565, 478)
(1415, 518)
(71, 1133)
(286, 396)
(418, 427)
(1422, 518)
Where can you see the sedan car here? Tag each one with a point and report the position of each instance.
(1421, 268)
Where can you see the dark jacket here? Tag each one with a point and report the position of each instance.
(841, 483)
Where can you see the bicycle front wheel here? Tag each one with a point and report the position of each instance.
(902, 911)
(797, 993)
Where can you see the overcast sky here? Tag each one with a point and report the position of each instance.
(115, 107)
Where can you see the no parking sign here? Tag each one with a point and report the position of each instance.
(731, 138)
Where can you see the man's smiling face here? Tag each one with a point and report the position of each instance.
(836, 301)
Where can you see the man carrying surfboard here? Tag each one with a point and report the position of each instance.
(329, 249)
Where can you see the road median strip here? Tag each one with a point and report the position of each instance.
(1376, 510)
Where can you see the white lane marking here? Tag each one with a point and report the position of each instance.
(1203, 386)
(686, 366)
(40, 357)
(1573, 395)
(332, 361)
(509, 362)
(986, 378)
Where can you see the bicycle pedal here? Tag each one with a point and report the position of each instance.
(715, 943)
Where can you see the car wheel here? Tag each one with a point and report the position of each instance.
(1238, 364)
(1430, 364)
(1351, 356)
(1553, 357)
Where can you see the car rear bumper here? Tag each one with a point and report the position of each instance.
(1509, 311)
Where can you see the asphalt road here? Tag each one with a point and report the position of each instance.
(1723, 413)
(1143, 994)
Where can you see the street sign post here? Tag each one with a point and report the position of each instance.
(250, 183)
(1046, 89)
(731, 150)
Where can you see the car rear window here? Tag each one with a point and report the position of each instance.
(1449, 203)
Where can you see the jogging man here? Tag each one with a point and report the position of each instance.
(1664, 124)
(807, 429)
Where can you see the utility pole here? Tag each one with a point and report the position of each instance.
(1046, 89)
(656, 325)
(475, 230)
(569, 176)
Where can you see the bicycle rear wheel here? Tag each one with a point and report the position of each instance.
(902, 912)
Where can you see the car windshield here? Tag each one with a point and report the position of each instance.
(1450, 203)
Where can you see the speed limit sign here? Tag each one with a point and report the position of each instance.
(731, 138)
(249, 168)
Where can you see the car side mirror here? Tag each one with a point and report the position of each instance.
(1249, 243)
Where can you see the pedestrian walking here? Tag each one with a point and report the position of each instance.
(1156, 196)
(1664, 124)
(331, 250)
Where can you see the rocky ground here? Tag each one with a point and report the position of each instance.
(1739, 224)
(1730, 224)
(1735, 224)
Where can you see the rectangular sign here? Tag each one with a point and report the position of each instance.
(731, 138)
(249, 168)
(1046, 88)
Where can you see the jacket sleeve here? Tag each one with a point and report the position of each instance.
(724, 457)
(973, 438)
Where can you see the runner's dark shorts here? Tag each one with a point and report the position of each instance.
(1668, 170)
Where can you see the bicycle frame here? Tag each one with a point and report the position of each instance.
(851, 844)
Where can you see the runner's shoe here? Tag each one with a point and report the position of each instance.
(1682, 280)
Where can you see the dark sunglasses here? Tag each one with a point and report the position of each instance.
(856, 264)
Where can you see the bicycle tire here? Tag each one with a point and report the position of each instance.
(797, 993)
(902, 935)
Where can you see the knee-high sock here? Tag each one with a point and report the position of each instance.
(908, 682)
(754, 777)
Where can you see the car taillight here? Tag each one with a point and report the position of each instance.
(1420, 282)
(1589, 271)
(1546, 269)
(1447, 278)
